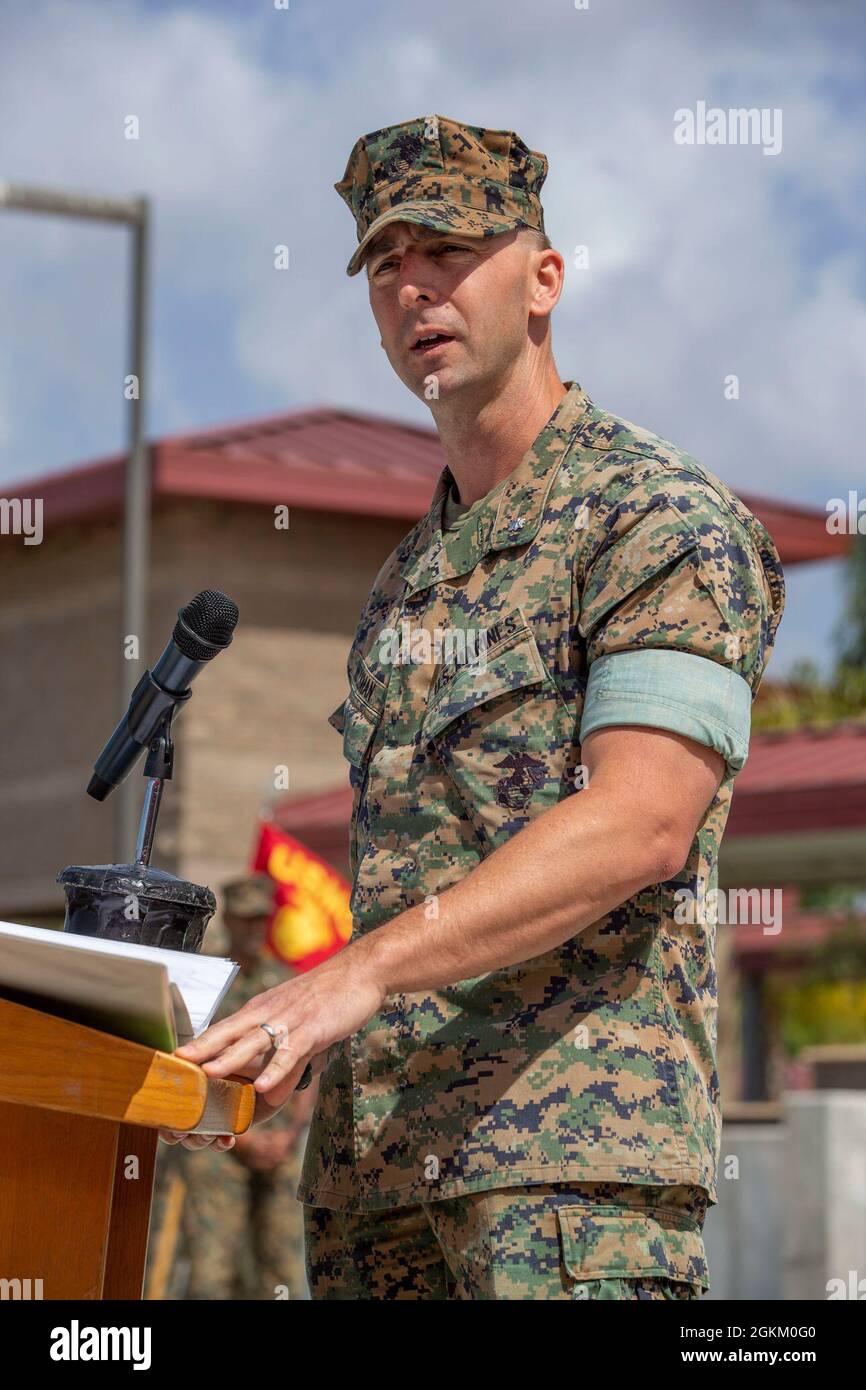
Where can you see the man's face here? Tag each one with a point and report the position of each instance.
(474, 291)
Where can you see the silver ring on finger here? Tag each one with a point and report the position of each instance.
(276, 1035)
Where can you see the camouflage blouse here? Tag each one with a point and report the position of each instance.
(612, 581)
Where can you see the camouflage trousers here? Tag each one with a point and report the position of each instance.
(571, 1241)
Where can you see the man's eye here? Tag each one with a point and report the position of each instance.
(383, 265)
(450, 246)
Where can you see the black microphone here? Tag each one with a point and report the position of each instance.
(203, 628)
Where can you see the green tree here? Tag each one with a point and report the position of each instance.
(804, 698)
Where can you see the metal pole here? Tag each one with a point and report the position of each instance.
(147, 823)
(136, 525)
(24, 197)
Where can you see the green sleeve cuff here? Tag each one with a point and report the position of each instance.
(687, 694)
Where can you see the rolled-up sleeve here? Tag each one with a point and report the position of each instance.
(674, 607)
(672, 690)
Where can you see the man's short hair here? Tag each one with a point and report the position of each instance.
(542, 240)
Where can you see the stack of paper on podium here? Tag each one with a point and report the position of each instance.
(147, 994)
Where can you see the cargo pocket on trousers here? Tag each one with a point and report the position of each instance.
(624, 1243)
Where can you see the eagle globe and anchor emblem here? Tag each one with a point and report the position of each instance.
(525, 775)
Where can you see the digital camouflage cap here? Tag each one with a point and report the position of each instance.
(444, 175)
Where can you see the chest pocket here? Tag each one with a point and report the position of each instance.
(503, 731)
(360, 714)
(358, 719)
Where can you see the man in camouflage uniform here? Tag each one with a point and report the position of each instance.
(549, 699)
(242, 1221)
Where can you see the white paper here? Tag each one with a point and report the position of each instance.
(118, 977)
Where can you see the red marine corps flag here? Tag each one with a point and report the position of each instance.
(311, 918)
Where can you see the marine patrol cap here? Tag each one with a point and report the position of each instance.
(252, 896)
(444, 175)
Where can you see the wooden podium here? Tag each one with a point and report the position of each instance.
(79, 1114)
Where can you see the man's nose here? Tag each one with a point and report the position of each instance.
(417, 277)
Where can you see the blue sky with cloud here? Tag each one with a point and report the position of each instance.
(704, 260)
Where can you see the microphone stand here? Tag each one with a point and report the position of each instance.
(158, 769)
(170, 911)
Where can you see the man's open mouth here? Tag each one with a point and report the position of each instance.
(431, 341)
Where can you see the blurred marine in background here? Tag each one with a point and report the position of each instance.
(233, 1221)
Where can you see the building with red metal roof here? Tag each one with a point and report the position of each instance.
(325, 459)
